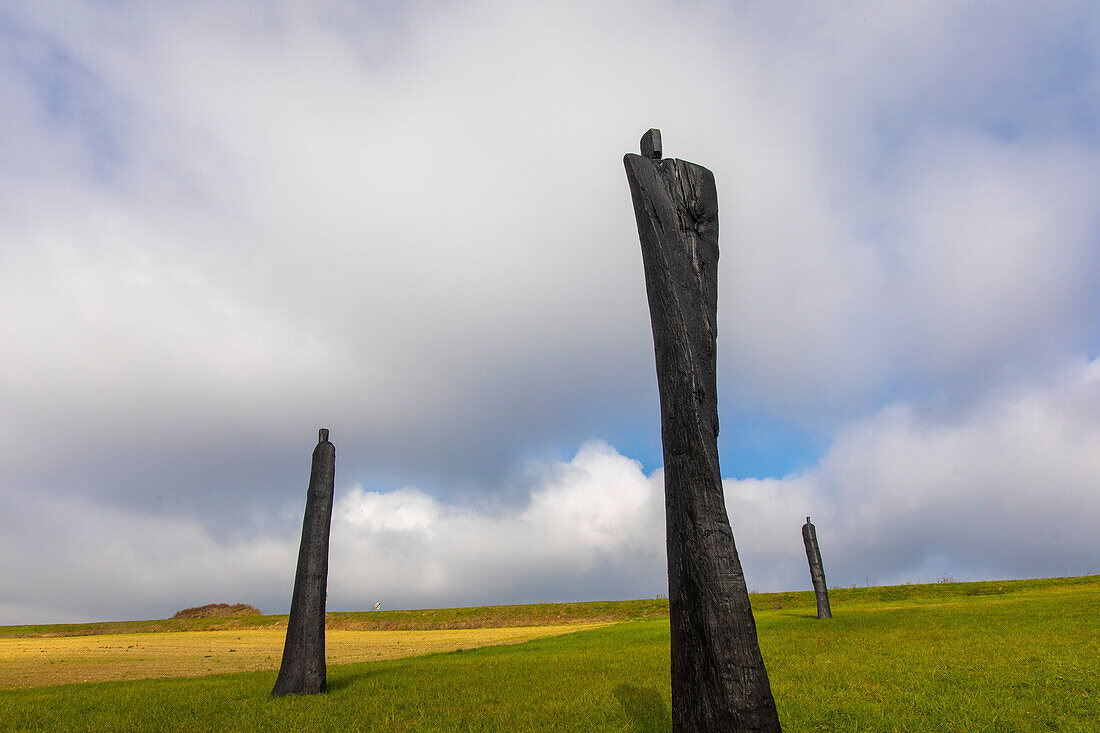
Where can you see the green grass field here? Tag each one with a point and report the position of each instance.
(1007, 656)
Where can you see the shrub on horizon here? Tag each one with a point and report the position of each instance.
(218, 610)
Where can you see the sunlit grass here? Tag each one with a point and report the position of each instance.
(1023, 658)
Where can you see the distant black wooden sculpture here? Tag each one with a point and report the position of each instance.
(817, 570)
(718, 678)
(303, 669)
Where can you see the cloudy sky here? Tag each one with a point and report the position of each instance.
(227, 225)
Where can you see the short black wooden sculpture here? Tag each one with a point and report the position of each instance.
(718, 678)
(817, 570)
(303, 669)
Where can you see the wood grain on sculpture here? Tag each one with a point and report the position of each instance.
(303, 670)
(817, 570)
(719, 682)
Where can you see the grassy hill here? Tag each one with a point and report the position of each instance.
(545, 614)
(480, 617)
(1003, 656)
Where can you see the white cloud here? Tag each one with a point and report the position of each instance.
(295, 225)
(993, 249)
(67, 559)
(1006, 489)
(225, 227)
(591, 528)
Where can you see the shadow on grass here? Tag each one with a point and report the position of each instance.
(645, 707)
(339, 684)
(345, 680)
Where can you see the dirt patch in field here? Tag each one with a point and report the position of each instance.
(37, 662)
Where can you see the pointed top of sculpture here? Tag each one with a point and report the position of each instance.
(807, 520)
(322, 435)
(651, 144)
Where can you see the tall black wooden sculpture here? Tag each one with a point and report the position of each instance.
(718, 678)
(303, 669)
(817, 570)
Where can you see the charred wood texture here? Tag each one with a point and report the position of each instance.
(303, 669)
(718, 678)
(817, 570)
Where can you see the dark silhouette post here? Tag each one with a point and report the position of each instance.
(817, 570)
(303, 669)
(718, 678)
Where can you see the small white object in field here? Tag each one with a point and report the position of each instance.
(378, 606)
